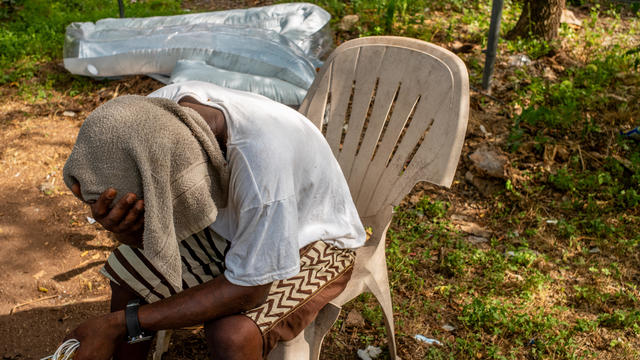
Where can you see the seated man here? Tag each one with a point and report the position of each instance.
(233, 211)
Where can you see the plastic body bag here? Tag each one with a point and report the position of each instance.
(275, 89)
(280, 42)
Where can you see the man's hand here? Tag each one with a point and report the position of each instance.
(125, 219)
(99, 336)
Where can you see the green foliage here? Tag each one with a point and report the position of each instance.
(621, 319)
(35, 29)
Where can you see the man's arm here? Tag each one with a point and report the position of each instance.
(211, 300)
(214, 299)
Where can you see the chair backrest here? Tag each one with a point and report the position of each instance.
(394, 111)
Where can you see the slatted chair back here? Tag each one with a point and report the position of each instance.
(394, 111)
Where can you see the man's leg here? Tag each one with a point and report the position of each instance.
(119, 299)
(233, 337)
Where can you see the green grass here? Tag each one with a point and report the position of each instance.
(514, 297)
(32, 36)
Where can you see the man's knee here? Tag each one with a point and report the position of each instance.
(234, 337)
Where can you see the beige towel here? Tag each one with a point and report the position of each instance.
(162, 152)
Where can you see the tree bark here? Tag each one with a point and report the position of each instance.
(539, 18)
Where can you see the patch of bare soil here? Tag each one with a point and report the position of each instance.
(50, 253)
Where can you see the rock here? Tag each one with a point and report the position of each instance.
(489, 162)
(69, 114)
(568, 17)
(347, 22)
(354, 319)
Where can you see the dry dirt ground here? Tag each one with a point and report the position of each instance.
(49, 252)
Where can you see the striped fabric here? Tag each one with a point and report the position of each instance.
(202, 259)
(291, 304)
(320, 265)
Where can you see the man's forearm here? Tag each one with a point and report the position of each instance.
(211, 300)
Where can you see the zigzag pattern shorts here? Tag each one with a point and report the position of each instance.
(291, 305)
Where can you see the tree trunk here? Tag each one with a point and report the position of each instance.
(539, 18)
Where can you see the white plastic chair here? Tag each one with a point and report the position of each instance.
(394, 111)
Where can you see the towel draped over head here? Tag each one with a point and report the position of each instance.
(162, 152)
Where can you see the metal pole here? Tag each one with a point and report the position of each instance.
(492, 45)
(121, 7)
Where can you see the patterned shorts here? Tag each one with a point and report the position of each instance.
(291, 304)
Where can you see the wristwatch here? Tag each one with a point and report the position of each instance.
(134, 331)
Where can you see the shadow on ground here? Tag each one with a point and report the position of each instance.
(36, 333)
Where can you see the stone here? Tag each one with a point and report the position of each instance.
(69, 114)
(354, 319)
(489, 162)
(568, 17)
(348, 22)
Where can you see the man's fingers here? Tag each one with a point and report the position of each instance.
(132, 217)
(100, 208)
(139, 224)
(117, 214)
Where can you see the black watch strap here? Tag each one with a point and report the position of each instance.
(134, 331)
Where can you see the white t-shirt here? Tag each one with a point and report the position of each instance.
(286, 188)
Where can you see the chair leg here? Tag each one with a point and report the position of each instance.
(162, 343)
(323, 323)
(380, 289)
(308, 344)
(296, 348)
